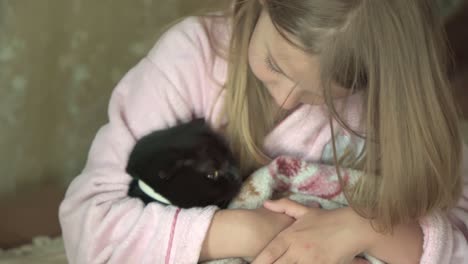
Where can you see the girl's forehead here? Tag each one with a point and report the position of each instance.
(295, 60)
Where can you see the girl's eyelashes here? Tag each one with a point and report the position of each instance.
(271, 67)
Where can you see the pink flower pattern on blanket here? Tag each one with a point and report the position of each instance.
(288, 167)
(320, 184)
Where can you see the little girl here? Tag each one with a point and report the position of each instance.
(284, 77)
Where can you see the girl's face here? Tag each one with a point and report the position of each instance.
(291, 76)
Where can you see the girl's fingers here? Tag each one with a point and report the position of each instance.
(360, 261)
(286, 206)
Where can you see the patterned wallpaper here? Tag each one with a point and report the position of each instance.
(59, 61)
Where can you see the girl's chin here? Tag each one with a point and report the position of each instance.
(289, 107)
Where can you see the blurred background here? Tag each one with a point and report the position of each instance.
(59, 61)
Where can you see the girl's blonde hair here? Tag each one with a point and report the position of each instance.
(392, 51)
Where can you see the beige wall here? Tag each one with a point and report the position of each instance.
(59, 61)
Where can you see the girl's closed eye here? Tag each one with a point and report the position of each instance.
(271, 67)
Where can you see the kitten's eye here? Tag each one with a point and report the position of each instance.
(188, 162)
(213, 176)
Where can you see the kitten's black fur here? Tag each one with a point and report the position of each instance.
(188, 164)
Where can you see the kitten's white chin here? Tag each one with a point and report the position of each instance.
(151, 193)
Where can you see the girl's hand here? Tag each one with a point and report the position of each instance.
(317, 236)
(265, 225)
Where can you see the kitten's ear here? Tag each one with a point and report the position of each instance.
(163, 175)
(203, 150)
(184, 162)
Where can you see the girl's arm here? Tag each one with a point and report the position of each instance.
(226, 236)
(403, 246)
(100, 223)
(242, 233)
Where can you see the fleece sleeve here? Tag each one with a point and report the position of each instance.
(100, 223)
(446, 235)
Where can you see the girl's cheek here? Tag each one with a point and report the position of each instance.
(285, 97)
(260, 71)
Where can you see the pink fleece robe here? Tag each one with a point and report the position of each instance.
(181, 78)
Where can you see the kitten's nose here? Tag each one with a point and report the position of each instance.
(234, 173)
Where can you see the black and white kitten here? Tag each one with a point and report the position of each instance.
(187, 166)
